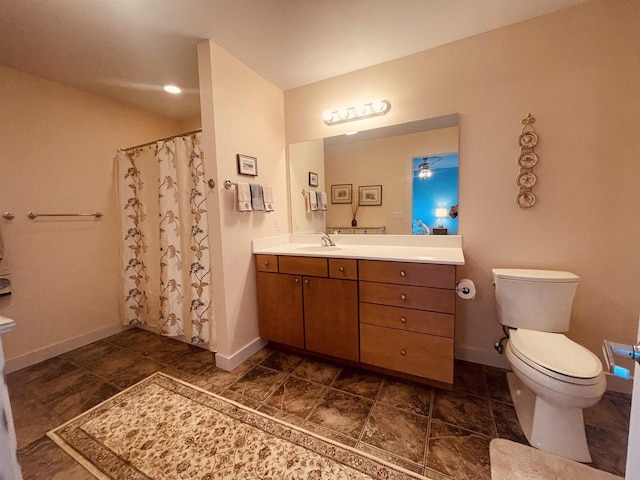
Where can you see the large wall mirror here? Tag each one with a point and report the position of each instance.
(400, 179)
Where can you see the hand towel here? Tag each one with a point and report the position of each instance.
(243, 193)
(313, 201)
(267, 195)
(323, 200)
(257, 201)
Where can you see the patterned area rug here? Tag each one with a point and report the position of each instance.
(163, 428)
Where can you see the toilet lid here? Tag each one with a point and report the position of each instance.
(555, 352)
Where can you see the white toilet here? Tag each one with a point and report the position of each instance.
(553, 378)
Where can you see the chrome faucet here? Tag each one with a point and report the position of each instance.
(326, 240)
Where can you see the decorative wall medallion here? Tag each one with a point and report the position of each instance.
(526, 199)
(526, 180)
(527, 160)
(528, 139)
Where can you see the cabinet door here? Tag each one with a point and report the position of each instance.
(280, 308)
(331, 317)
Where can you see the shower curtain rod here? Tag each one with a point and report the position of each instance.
(160, 140)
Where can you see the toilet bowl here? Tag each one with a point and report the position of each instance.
(553, 380)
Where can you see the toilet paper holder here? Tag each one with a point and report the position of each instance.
(466, 289)
(609, 349)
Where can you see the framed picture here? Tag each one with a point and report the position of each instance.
(341, 193)
(370, 195)
(247, 165)
(313, 179)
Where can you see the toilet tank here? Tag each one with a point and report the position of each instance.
(538, 300)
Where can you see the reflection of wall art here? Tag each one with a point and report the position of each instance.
(313, 179)
(247, 165)
(370, 195)
(341, 193)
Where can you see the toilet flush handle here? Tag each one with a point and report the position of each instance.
(621, 350)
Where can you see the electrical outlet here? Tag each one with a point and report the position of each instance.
(398, 215)
(278, 224)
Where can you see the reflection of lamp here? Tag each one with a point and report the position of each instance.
(441, 213)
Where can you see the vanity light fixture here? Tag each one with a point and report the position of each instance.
(172, 89)
(357, 112)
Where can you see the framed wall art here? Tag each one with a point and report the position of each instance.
(370, 195)
(247, 165)
(313, 179)
(341, 193)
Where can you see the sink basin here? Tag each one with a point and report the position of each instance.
(318, 248)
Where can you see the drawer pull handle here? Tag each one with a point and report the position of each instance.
(403, 296)
(403, 320)
(266, 262)
(306, 282)
(297, 280)
(403, 353)
(341, 268)
(402, 274)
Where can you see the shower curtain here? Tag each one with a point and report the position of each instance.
(166, 267)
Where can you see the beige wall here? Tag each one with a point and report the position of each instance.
(386, 162)
(305, 157)
(241, 113)
(56, 156)
(577, 72)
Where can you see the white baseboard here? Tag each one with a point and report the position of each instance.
(50, 351)
(484, 357)
(228, 363)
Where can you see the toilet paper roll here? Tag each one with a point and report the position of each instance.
(466, 289)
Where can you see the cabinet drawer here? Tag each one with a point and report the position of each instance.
(413, 353)
(421, 298)
(407, 273)
(419, 321)
(312, 266)
(343, 268)
(267, 263)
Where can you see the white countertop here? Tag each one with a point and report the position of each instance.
(444, 249)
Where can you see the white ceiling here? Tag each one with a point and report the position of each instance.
(128, 49)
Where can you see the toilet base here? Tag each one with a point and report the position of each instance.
(554, 429)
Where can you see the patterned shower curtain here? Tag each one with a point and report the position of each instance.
(167, 285)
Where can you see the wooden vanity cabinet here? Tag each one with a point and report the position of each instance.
(407, 313)
(309, 302)
(397, 316)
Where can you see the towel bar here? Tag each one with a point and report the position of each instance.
(33, 215)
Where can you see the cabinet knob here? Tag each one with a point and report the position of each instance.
(403, 353)
(341, 268)
(403, 296)
(403, 320)
(402, 274)
(266, 262)
(306, 282)
(297, 280)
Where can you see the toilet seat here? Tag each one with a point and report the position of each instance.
(556, 356)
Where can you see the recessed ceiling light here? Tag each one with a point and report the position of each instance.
(172, 89)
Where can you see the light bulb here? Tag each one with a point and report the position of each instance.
(327, 115)
(343, 112)
(360, 109)
(428, 173)
(378, 106)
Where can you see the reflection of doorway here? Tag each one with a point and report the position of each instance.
(435, 186)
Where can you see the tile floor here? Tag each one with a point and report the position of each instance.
(438, 433)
